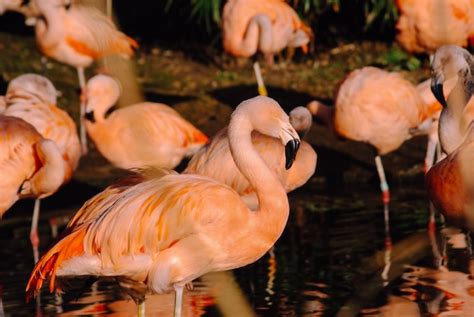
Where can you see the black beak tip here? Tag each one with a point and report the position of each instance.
(437, 90)
(291, 148)
(90, 116)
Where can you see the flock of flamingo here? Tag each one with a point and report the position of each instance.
(158, 230)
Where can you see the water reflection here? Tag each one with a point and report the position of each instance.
(342, 254)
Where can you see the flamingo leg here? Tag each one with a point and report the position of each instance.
(262, 90)
(178, 304)
(383, 180)
(141, 309)
(388, 246)
(82, 129)
(34, 238)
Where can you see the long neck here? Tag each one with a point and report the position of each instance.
(273, 201)
(53, 30)
(51, 175)
(258, 35)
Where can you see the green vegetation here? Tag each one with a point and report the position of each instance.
(380, 13)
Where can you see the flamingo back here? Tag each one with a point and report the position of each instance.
(238, 13)
(425, 25)
(377, 107)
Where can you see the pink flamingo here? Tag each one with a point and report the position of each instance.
(449, 183)
(32, 98)
(376, 107)
(159, 234)
(218, 153)
(78, 35)
(144, 134)
(267, 26)
(30, 166)
(425, 25)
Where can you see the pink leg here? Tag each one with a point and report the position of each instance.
(430, 154)
(82, 129)
(34, 238)
(383, 181)
(388, 246)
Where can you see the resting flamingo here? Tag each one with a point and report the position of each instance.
(425, 25)
(139, 135)
(376, 107)
(159, 234)
(30, 166)
(266, 26)
(32, 98)
(78, 35)
(449, 182)
(217, 153)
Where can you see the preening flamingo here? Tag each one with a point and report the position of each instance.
(378, 108)
(144, 134)
(32, 98)
(30, 166)
(158, 234)
(425, 25)
(215, 160)
(453, 63)
(266, 26)
(78, 35)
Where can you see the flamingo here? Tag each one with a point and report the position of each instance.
(425, 25)
(144, 134)
(449, 183)
(30, 166)
(376, 107)
(78, 35)
(32, 98)
(218, 153)
(159, 234)
(267, 26)
(450, 186)
(451, 62)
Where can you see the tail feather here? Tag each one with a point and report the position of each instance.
(69, 246)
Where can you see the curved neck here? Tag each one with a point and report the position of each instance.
(53, 30)
(258, 35)
(273, 201)
(50, 175)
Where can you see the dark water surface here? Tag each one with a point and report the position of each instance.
(329, 262)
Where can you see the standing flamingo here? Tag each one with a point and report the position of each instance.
(32, 98)
(450, 185)
(425, 25)
(453, 63)
(449, 182)
(378, 108)
(78, 35)
(160, 234)
(267, 26)
(144, 134)
(30, 166)
(218, 153)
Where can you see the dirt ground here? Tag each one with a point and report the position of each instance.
(205, 88)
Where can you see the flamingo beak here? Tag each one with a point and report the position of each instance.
(437, 89)
(291, 148)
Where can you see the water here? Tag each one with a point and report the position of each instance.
(329, 262)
